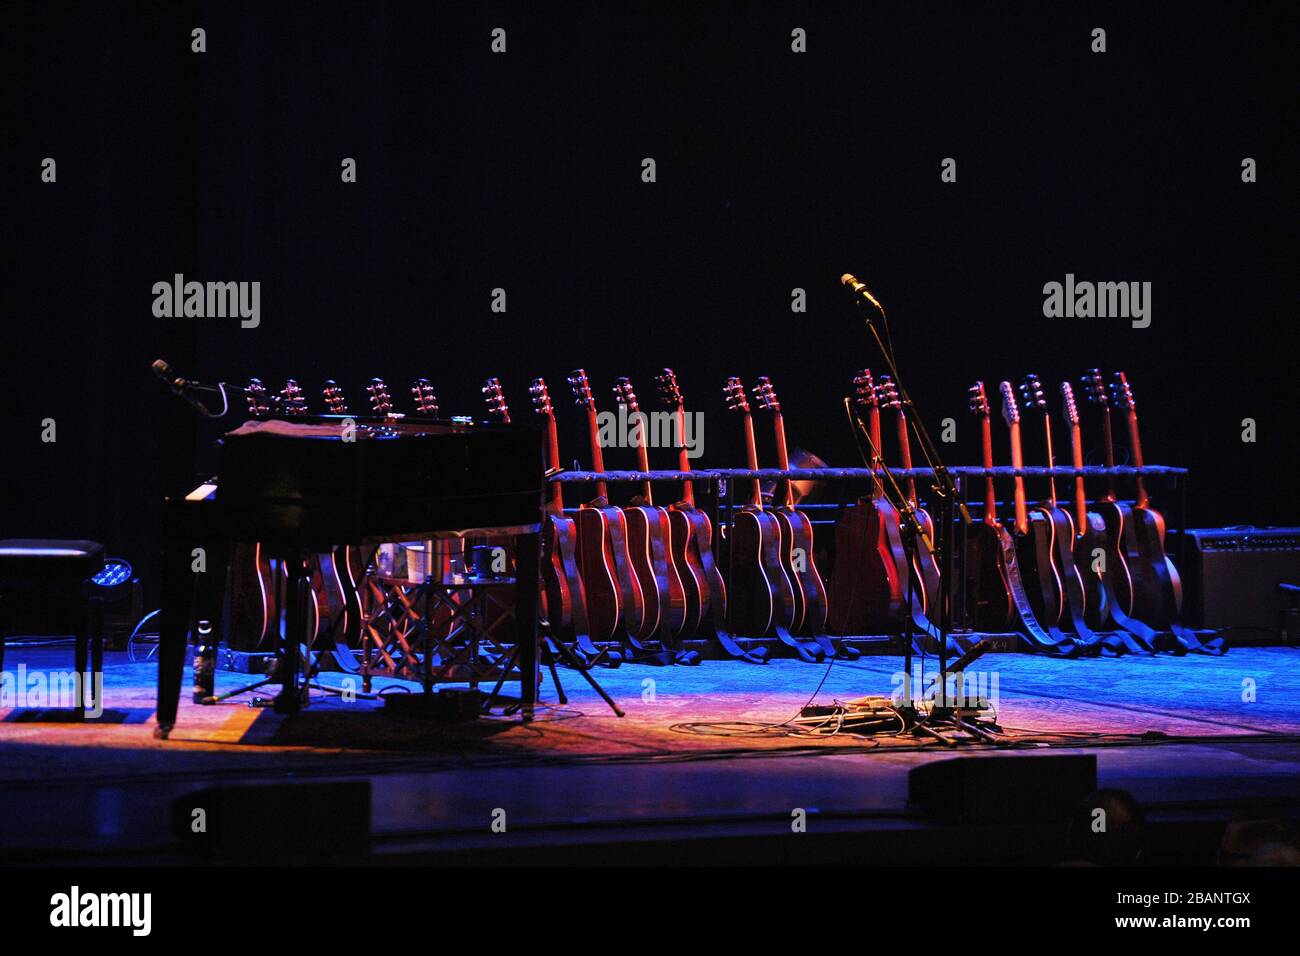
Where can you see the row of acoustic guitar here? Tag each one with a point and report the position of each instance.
(1074, 574)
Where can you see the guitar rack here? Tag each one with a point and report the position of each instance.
(721, 484)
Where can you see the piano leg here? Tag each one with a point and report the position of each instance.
(174, 616)
(527, 568)
(296, 593)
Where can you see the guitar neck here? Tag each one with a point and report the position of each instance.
(783, 497)
(1108, 437)
(905, 455)
(873, 431)
(643, 463)
(751, 462)
(1080, 492)
(553, 465)
(1018, 462)
(1051, 459)
(597, 456)
(684, 460)
(1135, 443)
(990, 487)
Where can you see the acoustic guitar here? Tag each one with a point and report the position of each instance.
(649, 538)
(924, 562)
(866, 590)
(691, 539)
(1063, 530)
(1035, 539)
(1157, 588)
(989, 601)
(615, 604)
(1114, 513)
(562, 587)
(762, 598)
(1090, 527)
(795, 528)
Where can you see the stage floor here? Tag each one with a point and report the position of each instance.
(698, 749)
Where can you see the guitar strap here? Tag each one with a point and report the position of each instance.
(1134, 635)
(1051, 640)
(808, 651)
(1112, 644)
(1187, 640)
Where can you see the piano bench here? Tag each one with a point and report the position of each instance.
(59, 572)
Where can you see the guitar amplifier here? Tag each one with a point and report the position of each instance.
(1231, 577)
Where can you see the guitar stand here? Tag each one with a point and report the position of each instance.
(554, 650)
(662, 656)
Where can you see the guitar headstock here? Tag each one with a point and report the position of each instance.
(426, 402)
(292, 402)
(335, 402)
(380, 402)
(979, 400)
(259, 406)
(864, 390)
(1031, 394)
(1010, 409)
(765, 395)
(1121, 394)
(1071, 409)
(624, 395)
(666, 381)
(496, 399)
(1094, 386)
(541, 398)
(887, 393)
(734, 394)
(581, 388)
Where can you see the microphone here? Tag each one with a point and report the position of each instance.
(184, 389)
(858, 289)
(168, 376)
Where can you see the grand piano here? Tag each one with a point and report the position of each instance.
(300, 487)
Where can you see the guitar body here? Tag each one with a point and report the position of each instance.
(648, 540)
(1157, 588)
(809, 590)
(762, 597)
(704, 593)
(341, 597)
(251, 599)
(605, 566)
(1036, 556)
(927, 568)
(562, 590)
(1074, 594)
(317, 609)
(988, 592)
(1116, 518)
(866, 595)
(1093, 538)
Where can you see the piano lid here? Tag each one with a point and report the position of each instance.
(329, 480)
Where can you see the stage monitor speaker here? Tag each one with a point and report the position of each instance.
(1231, 577)
(1023, 789)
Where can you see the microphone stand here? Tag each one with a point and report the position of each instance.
(909, 523)
(949, 504)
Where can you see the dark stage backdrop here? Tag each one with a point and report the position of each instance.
(522, 171)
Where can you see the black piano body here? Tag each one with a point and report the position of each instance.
(304, 485)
